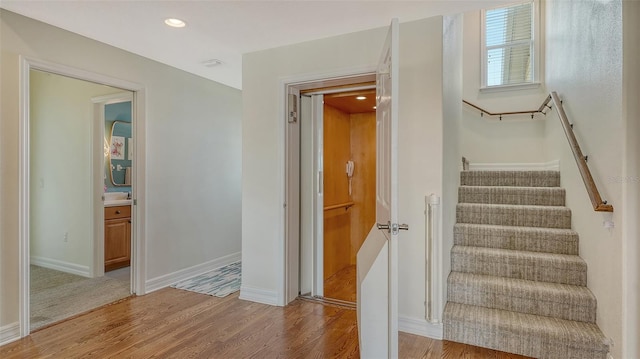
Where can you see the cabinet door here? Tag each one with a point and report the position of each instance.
(117, 243)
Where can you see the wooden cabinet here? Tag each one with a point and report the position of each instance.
(117, 237)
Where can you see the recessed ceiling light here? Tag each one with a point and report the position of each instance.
(361, 98)
(375, 107)
(175, 22)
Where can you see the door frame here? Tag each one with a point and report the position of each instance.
(99, 104)
(288, 282)
(138, 181)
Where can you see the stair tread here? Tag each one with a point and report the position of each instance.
(545, 196)
(519, 228)
(525, 326)
(514, 215)
(564, 301)
(513, 253)
(526, 285)
(511, 178)
(538, 266)
(515, 206)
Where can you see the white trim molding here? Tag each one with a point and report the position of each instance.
(420, 326)
(545, 166)
(138, 180)
(61, 266)
(259, 295)
(166, 280)
(9, 333)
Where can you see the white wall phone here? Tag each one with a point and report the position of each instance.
(349, 170)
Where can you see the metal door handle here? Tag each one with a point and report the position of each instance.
(384, 226)
(403, 227)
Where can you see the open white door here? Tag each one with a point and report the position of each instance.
(377, 262)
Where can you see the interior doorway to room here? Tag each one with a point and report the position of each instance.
(72, 138)
(341, 208)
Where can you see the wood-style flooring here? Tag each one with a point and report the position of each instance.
(172, 323)
(342, 285)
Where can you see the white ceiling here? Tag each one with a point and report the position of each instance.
(224, 30)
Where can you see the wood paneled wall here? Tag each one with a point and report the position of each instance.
(347, 137)
(337, 222)
(363, 154)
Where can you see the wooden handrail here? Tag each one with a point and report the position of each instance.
(531, 112)
(345, 205)
(598, 204)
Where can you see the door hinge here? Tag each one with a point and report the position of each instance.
(293, 109)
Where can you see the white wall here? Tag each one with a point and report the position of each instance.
(452, 73)
(484, 139)
(631, 182)
(263, 142)
(61, 125)
(420, 150)
(193, 143)
(584, 65)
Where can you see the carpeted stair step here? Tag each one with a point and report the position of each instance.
(535, 196)
(510, 178)
(525, 334)
(533, 239)
(540, 298)
(514, 215)
(545, 267)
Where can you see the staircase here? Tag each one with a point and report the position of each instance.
(517, 283)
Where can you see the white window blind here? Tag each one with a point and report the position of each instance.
(509, 45)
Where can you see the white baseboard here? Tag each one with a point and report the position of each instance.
(258, 295)
(61, 266)
(546, 166)
(186, 273)
(9, 333)
(420, 326)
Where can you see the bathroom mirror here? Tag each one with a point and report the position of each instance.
(120, 153)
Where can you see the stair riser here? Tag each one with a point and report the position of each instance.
(537, 270)
(519, 343)
(510, 178)
(512, 195)
(547, 217)
(524, 334)
(530, 301)
(517, 239)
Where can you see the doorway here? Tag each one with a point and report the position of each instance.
(349, 178)
(337, 159)
(62, 212)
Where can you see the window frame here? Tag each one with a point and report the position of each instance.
(535, 33)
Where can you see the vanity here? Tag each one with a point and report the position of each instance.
(117, 235)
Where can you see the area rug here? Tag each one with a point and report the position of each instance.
(218, 282)
(56, 295)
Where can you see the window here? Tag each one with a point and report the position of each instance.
(509, 47)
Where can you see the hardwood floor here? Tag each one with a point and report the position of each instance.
(342, 285)
(172, 323)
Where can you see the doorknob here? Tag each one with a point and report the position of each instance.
(403, 227)
(384, 226)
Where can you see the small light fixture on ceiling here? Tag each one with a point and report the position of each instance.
(212, 62)
(361, 98)
(375, 107)
(175, 22)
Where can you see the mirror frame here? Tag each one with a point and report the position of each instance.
(113, 125)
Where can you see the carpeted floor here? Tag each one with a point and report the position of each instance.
(218, 282)
(56, 295)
